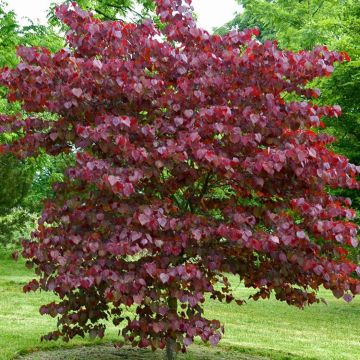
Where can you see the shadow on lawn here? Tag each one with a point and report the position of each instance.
(108, 352)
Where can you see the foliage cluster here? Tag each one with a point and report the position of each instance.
(297, 25)
(250, 332)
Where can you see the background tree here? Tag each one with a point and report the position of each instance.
(24, 184)
(16, 175)
(296, 24)
(19, 177)
(189, 165)
(113, 10)
(299, 24)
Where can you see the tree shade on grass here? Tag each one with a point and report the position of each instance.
(266, 328)
(190, 165)
(107, 352)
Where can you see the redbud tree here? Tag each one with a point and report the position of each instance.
(190, 165)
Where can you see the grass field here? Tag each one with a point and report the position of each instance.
(265, 328)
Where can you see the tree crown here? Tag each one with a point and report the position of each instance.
(189, 165)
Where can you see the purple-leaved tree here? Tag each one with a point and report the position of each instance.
(189, 166)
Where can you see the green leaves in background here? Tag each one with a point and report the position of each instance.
(112, 9)
(299, 24)
(23, 183)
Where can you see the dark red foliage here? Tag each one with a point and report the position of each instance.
(189, 165)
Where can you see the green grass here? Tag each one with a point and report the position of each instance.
(268, 328)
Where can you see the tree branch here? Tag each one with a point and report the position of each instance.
(106, 16)
(124, 9)
(205, 186)
(318, 8)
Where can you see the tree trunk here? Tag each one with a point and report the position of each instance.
(170, 343)
(170, 353)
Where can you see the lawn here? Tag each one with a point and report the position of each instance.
(265, 328)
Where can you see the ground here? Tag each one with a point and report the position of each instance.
(264, 329)
(108, 352)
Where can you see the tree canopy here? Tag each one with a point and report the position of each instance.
(190, 164)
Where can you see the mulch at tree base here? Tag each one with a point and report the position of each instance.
(108, 352)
